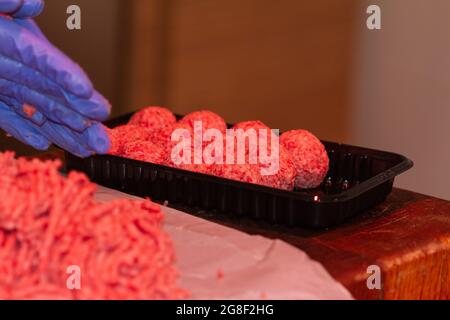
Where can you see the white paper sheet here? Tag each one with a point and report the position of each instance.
(217, 262)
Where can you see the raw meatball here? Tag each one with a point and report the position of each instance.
(153, 118)
(241, 172)
(309, 156)
(121, 135)
(158, 120)
(245, 125)
(209, 120)
(257, 126)
(211, 169)
(162, 136)
(284, 178)
(145, 151)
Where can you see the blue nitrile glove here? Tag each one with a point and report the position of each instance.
(21, 8)
(39, 136)
(67, 110)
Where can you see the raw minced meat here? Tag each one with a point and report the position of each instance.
(302, 159)
(209, 120)
(121, 135)
(241, 172)
(153, 118)
(186, 142)
(158, 120)
(256, 125)
(282, 177)
(309, 157)
(145, 151)
(53, 232)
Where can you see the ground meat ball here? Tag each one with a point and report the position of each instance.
(241, 172)
(309, 156)
(284, 178)
(153, 118)
(145, 151)
(303, 161)
(245, 125)
(192, 166)
(162, 135)
(158, 120)
(188, 136)
(257, 126)
(209, 120)
(121, 135)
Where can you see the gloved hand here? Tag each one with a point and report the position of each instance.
(45, 97)
(22, 8)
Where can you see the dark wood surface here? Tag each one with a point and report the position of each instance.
(408, 237)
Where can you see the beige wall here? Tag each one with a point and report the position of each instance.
(97, 46)
(284, 62)
(401, 91)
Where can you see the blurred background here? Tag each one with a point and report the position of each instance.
(292, 64)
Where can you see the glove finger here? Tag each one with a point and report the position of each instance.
(15, 71)
(97, 138)
(96, 108)
(26, 111)
(21, 129)
(31, 25)
(65, 138)
(93, 140)
(21, 44)
(51, 108)
(8, 6)
(29, 8)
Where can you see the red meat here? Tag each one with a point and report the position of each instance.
(49, 223)
(122, 135)
(153, 118)
(245, 125)
(284, 177)
(159, 121)
(175, 150)
(241, 172)
(309, 156)
(209, 120)
(145, 151)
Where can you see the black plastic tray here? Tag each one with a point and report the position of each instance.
(358, 179)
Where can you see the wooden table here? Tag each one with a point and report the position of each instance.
(408, 237)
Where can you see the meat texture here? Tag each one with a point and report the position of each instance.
(57, 242)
